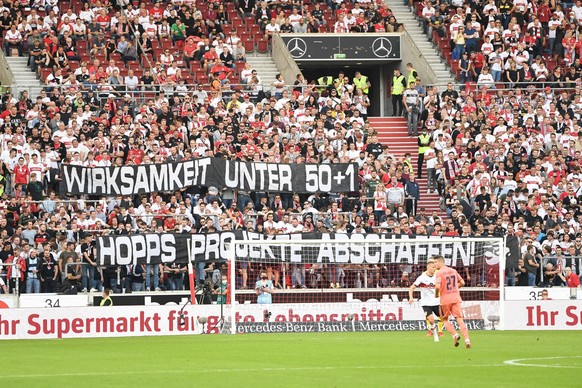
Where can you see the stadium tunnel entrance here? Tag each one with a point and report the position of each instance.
(380, 76)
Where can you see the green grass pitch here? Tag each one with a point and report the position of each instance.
(391, 359)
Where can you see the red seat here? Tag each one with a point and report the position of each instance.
(255, 29)
(249, 45)
(202, 80)
(44, 73)
(158, 52)
(82, 46)
(132, 64)
(166, 43)
(194, 65)
(240, 65)
(200, 73)
(262, 45)
(145, 58)
(240, 30)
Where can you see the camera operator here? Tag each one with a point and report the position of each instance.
(264, 289)
(221, 290)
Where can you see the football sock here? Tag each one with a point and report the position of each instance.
(464, 330)
(450, 328)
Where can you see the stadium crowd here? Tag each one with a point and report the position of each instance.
(504, 163)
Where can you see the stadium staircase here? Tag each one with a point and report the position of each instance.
(429, 51)
(25, 78)
(266, 69)
(393, 132)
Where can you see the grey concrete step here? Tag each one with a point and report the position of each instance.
(427, 49)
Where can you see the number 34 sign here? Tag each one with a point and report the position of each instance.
(53, 300)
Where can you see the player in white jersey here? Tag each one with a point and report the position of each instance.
(428, 300)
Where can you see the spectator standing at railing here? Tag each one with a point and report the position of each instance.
(33, 266)
(531, 265)
(89, 263)
(572, 280)
(48, 272)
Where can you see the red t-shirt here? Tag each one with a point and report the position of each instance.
(21, 174)
(136, 155)
(573, 280)
(103, 21)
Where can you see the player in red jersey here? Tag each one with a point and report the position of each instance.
(447, 287)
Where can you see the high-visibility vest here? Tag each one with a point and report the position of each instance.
(362, 83)
(424, 141)
(397, 85)
(326, 80)
(410, 169)
(411, 76)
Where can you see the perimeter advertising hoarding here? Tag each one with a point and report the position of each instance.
(117, 321)
(543, 315)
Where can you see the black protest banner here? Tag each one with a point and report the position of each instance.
(513, 252)
(221, 173)
(337, 248)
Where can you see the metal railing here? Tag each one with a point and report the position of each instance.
(15, 266)
(545, 260)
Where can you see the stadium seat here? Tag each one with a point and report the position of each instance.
(44, 73)
(202, 80)
(262, 45)
(255, 29)
(132, 64)
(82, 47)
(249, 45)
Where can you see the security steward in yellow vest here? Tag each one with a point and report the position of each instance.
(325, 82)
(362, 82)
(339, 81)
(412, 74)
(398, 85)
(423, 145)
(106, 301)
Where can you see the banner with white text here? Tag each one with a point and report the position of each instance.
(153, 248)
(221, 173)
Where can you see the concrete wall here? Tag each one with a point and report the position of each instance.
(284, 62)
(411, 54)
(6, 76)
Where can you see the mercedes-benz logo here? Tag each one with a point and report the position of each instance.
(382, 47)
(297, 47)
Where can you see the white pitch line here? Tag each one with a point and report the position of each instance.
(273, 369)
(519, 362)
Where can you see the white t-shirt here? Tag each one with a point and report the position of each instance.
(426, 284)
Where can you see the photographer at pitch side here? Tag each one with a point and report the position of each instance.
(264, 289)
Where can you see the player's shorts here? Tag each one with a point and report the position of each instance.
(429, 310)
(453, 309)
